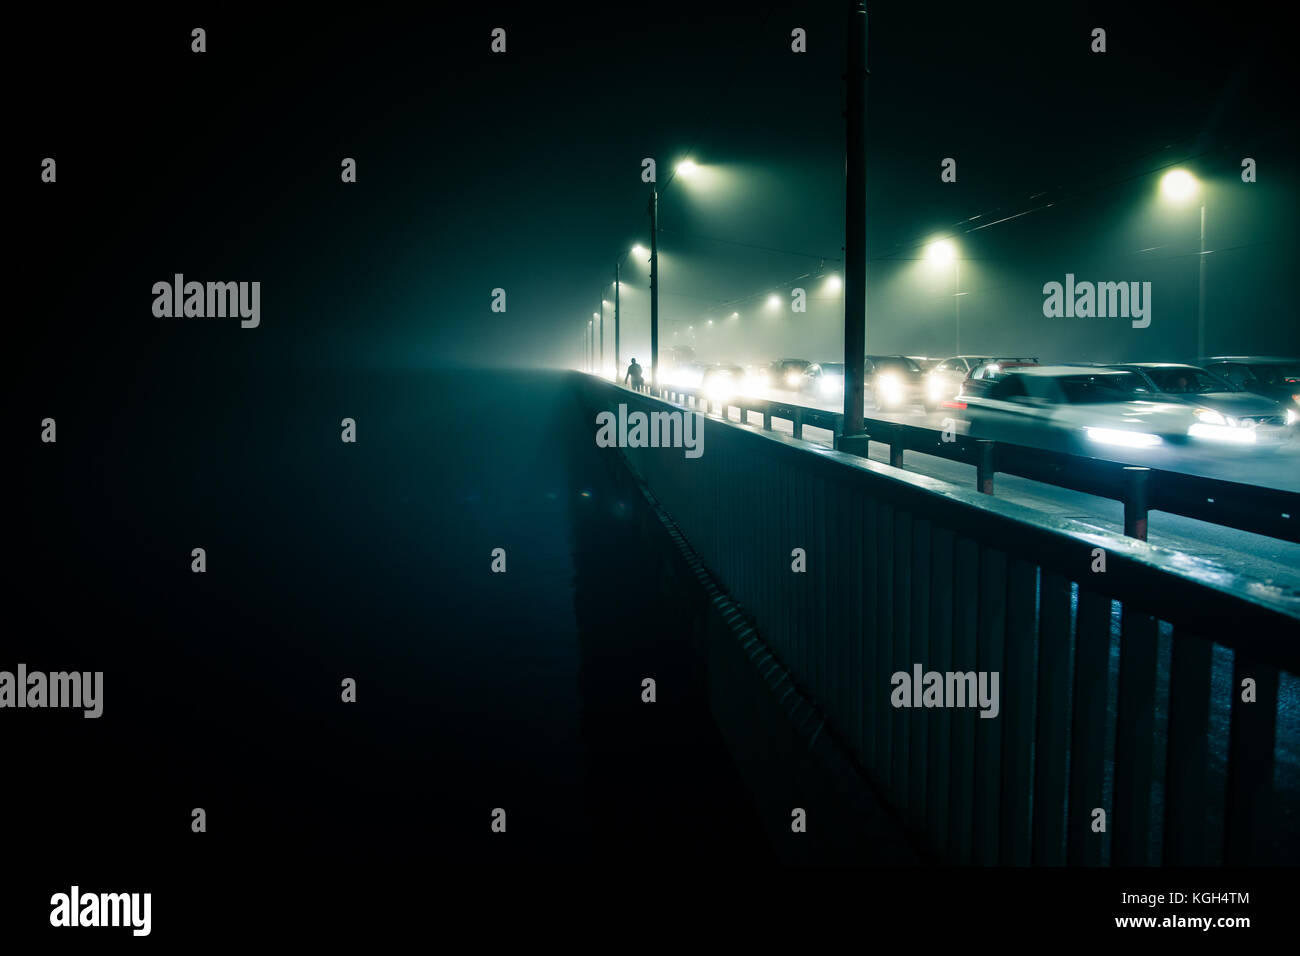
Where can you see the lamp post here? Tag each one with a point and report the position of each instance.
(654, 292)
(941, 251)
(1178, 185)
(855, 218)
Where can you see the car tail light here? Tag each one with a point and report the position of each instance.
(953, 403)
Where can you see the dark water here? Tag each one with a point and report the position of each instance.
(475, 690)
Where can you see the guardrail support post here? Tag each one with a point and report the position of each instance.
(767, 419)
(798, 423)
(1135, 501)
(896, 447)
(984, 467)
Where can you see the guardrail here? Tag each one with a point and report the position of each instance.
(1267, 511)
(902, 569)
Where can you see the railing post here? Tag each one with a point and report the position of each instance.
(1135, 501)
(984, 466)
(767, 417)
(896, 446)
(798, 423)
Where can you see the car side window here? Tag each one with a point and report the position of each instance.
(1238, 375)
(1009, 388)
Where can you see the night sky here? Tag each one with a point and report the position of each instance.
(522, 171)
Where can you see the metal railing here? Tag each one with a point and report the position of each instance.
(1260, 510)
(902, 569)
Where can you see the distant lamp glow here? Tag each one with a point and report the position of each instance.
(833, 283)
(941, 250)
(687, 168)
(773, 302)
(710, 321)
(1178, 184)
(640, 250)
(595, 315)
(735, 315)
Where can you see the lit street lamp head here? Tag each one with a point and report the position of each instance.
(941, 250)
(1178, 185)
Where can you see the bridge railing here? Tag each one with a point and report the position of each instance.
(1267, 511)
(1139, 687)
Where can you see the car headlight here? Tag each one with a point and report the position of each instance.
(793, 379)
(1291, 416)
(936, 388)
(1240, 436)
(890, 388)
(1119, 436)
(1209, 416)
(830, 384)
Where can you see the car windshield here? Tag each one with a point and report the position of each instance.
(833, 369)
(1187, 381)
(1277, 374)
(1094, 389)
(793, 366)
(896, 365)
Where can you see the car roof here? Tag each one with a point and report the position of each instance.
(1051, 371)
(1152, 365)
(1248, 359)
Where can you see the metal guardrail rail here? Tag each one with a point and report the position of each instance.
(904, 569)
(1259, 510)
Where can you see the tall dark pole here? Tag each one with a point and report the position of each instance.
(618, 361)
(855, 217)
(654, 293)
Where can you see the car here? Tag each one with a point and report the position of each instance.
(982, 376)
(756, 380)
(687, 375)
(892, 382)
(788, 373)
(1090, 411)
(1226, 405)
(924, 362)
(722, 381)
(945, 378)
(824, 381)
(1270, 376)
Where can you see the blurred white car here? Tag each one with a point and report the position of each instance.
(1088, 411)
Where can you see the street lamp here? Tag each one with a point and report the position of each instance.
(943, 251)
(1178, 186)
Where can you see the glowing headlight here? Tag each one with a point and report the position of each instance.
(937, 388)
(793, 378)
(721, 387)
(890, 389)
(1291, 416)
(1117, 436)
(1209, 416)
(830, 384)
(1240, 436)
